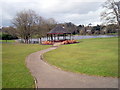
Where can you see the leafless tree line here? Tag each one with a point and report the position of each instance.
(29, 24)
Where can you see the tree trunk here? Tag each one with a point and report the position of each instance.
(26, 41)
(40, 41)
(31, 40)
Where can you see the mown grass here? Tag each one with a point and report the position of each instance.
(98, 56)
(7, 41)
(14, 71)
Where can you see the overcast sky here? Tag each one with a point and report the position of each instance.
(75, 11)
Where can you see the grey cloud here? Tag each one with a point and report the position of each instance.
(75, 7)
(62, 11)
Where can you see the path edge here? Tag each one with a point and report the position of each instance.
(35, 80)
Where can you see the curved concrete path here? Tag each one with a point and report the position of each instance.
(48, 76)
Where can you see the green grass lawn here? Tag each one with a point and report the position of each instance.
(15, 73)
(91, 56)
(7, 41)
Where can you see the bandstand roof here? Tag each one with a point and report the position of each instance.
(58, 30)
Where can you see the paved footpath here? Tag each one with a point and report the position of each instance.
(47, 76)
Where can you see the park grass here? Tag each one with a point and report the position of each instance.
(11, 41)
(98, 56)
(15, 73)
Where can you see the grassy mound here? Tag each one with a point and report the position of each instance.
(98, 56)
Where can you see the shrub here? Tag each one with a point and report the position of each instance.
(8, 37)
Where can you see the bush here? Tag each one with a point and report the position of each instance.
(7, 37)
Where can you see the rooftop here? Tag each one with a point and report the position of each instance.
(58, 30)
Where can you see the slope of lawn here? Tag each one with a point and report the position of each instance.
(97, 56)
(14, 71)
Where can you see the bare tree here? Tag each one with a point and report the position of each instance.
(50, 23)
(39, 27)
(43, 26)
(24, 21)
(30, 24)
(111, 14)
